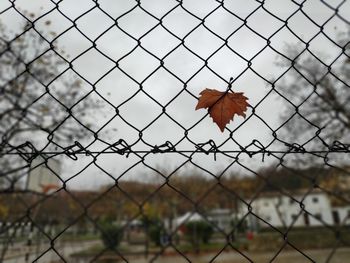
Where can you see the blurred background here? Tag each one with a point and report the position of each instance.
(105, 159)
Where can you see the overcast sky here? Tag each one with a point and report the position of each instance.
(140, 111)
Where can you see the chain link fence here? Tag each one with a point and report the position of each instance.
(104, 158)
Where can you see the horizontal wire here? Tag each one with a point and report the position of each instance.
(182, 151)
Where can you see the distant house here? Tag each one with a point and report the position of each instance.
(301, 209)
(278, 210)
(187, 217)
(41, 178)
(221, 218)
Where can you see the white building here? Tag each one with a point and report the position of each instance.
(187, 217)
(221, 218)
(279, 210)
(42, 177)
(341, 214)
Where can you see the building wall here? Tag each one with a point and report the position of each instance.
(221, 218)
(319, 205)
(344, 214)
(41, 175)
(280, 210)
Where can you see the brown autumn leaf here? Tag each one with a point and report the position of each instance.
(222, 106)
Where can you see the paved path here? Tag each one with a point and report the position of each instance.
(64, 249)
(341, 255)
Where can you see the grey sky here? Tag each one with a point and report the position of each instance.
(162, 86)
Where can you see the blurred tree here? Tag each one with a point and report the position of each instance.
(3, 211)
(111, 234)
(319, 91)
(42, 100)
(152, 224)
(155, 229)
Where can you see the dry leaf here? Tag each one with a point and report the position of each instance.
(222, 106)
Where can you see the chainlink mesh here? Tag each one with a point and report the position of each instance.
(102, 94)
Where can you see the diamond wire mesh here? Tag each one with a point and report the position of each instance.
(65, 131)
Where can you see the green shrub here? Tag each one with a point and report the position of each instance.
(111, 235)
(154, 228)
(155, 232)
(198, 232)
